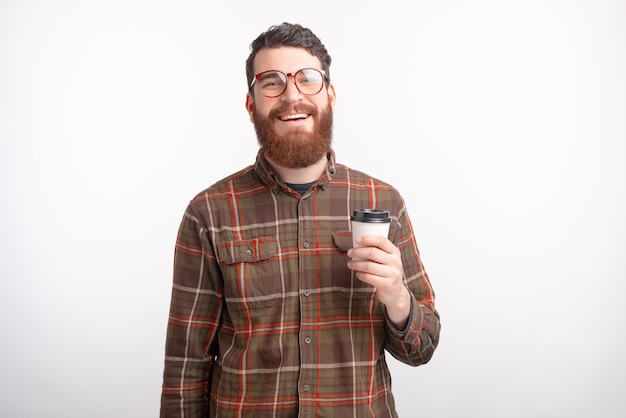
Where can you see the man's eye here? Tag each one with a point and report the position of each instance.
(271, 81)
(312, 78)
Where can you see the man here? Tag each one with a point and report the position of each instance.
(270, 316)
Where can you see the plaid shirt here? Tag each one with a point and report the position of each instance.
(266, 319)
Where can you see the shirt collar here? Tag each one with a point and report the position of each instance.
(269, 177)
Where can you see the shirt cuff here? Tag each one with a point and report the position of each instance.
(403, 332)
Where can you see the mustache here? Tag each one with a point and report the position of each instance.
(290, 108)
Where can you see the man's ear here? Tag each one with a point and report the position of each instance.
(250, 106)
(332, 96)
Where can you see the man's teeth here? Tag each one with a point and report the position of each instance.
(293, 117)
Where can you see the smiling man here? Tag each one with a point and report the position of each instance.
(270, 315)
(294, 127)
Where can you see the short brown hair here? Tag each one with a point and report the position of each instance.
(288, 34)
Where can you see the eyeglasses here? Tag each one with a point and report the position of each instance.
(273, 83)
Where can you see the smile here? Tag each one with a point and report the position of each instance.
(294, 117)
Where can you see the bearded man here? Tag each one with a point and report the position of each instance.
(273, 313)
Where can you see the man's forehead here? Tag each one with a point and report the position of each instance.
(285, 58)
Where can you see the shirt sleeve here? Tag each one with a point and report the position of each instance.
(415, 344)
(194, 321)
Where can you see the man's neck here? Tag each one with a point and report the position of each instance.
(301, 175)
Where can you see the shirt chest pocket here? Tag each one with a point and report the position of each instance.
(250, 272)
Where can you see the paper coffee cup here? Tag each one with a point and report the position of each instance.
(369, 222)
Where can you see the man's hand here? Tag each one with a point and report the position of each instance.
(381, 266)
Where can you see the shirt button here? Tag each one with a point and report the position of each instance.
(305, 244)
(306, 388)
(307, 340)
(274, 188)
(307, 293)
(248, 252)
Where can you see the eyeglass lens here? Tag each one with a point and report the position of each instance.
(274, 83)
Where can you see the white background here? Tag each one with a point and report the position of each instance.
(502, 123)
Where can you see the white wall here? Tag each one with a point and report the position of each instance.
(501, 122)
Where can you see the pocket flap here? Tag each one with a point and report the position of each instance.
(343, 239)
(246, 251)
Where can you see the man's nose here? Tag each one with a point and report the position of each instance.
(291, 91)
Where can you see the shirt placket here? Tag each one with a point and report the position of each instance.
(309, 300)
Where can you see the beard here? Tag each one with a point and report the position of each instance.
(300, 148)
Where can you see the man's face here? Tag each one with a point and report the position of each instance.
(294, 129)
